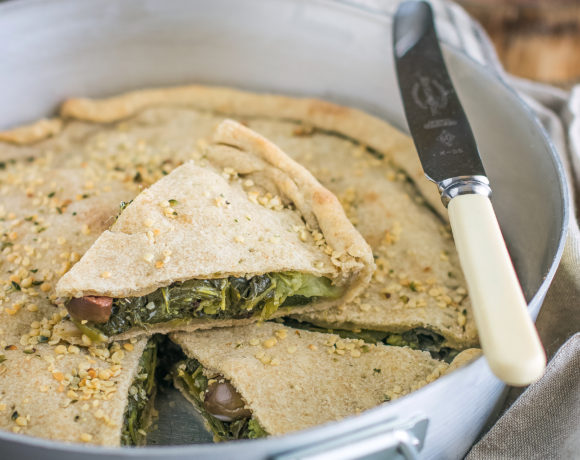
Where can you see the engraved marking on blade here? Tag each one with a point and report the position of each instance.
(446, 138)
(441, 123)
(428, 93)
(456, 151)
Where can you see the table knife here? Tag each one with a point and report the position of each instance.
(450, 158)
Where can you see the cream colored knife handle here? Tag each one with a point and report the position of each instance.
(507, 335)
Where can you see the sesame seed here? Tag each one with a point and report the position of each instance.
(312, 347)
(104, 374)
(281, 333)
(148, 257)
(86, 437)
(26, 282)
(254, 342)
(60, 350)
(117, 357)
(292, 349)
(128, 347)
(148, 222)
(269, 343)
(21, 421)
(159, 264)
(106, 275)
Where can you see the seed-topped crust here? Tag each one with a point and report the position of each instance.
(234, 236)
(307, 378)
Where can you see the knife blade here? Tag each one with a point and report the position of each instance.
(436, 118)
(450, 158)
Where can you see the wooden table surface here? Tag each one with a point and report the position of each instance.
(535, 39)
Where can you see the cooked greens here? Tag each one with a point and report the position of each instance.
(417, 339)
(223, 298)
(141, 395)
(190, 373)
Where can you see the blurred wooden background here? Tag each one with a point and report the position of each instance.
(535, 39)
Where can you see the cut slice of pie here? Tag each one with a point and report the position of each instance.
(268, 379)
(243, 234)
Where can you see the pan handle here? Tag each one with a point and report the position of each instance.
(393, 439)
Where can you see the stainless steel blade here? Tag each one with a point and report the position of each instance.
(438, 124)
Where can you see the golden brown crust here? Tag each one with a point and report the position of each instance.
(32, 133)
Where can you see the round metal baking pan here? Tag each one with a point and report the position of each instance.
(328, 49)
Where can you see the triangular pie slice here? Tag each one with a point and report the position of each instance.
(418, 295)
(246, 233)
(268, 379)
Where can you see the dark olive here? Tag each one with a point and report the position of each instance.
(91, 308)
(224, 402)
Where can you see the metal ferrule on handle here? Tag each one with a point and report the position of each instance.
(463, 185)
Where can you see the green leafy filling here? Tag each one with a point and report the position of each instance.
(141, 395)
(190, 372)
(417, 339)
(222, 298)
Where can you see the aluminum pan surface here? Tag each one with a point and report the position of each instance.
(104, 47)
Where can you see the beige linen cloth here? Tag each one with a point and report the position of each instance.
(542, 421)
